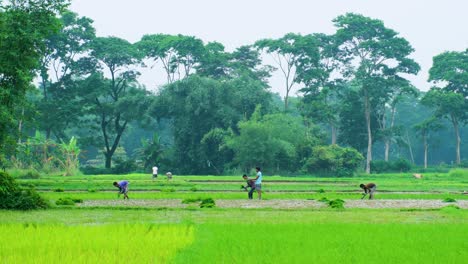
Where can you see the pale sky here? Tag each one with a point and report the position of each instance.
(431, 26)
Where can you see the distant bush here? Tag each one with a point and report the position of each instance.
(88, 170)
(207, 203)
(124, 166)
(194, 189)
(58, 190)
(65, 201)
(449, 200)
(458, 173)
(91, 190)
(337, 204)
(463, 164)
(168, 190)
(321, 191)
(14, 197)
(399, 165)
(333, 160)
(30, 174)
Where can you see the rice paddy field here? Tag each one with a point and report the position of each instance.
(410, 221)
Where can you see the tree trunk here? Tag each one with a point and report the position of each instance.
(334, 133)
(425, 151)
(108, 161)
(457, 138)
(409, 147)
(20, 125)
(369, 133)
(388, 140)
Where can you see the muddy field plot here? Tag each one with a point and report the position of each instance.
(276, 204)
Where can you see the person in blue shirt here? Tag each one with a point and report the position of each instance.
(123, 188)
(258, 182)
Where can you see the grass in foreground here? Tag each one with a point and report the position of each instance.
(327, 243)
(114, 243)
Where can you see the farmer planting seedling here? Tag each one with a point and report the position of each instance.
(368, 189)
(123, 188)
(250, 184)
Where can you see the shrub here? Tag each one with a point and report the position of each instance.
(91, 190)
(194, 189)
(58, 190)
(321, 191)
(323, 200)
(401, 165)
(29, 174)
(65, 201)
(77, 200)
(124, 166)
(207, 203)
(458, 173)
(337, 204)
(333, 160)
(13, 197)
(380, 166)
(449, 200)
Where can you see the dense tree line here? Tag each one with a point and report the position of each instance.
(216, 113)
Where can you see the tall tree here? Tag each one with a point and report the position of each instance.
(63, 62)
(317, 68)
(425, 129)
(450, 72)
(373, 54)
(116, 101)
(24, 26)
(199, 107)
(178, 54)
(452, 106)
(286, 51)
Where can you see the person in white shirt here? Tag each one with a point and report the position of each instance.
(155, 172)
(258, 182)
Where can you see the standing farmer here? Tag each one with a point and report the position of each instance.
(258, 182)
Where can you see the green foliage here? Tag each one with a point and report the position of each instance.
(13, 197)
(200, 108)
(65, 201)
(24, 26)
(58, 190)
(336, 204)
(449, 200)
(399, 165)
(191, 200)
(458, 173)
(70, 153)
(323, 200)
(207, 203)
(333, 160)
(276, 142)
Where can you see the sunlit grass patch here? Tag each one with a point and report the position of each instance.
(110, 243)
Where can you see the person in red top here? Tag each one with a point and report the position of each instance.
(368, 189)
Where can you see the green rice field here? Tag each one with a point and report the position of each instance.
(237, 230)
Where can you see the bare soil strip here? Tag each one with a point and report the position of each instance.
(276, 204)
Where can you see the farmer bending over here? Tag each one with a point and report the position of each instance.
(123, 188)
(368, 189)
(250, 184)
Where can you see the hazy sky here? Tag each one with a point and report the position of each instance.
(431, 26)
